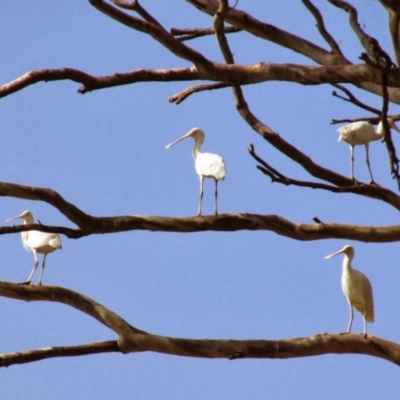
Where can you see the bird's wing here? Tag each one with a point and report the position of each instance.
(362, 298)
(369, 300)
(42, 241)
(356, 133)
(211, 166)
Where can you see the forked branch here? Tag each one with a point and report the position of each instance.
(132, 339)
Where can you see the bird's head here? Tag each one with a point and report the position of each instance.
(196, 133)
(348, 250)
(26, 216)
(392, 125)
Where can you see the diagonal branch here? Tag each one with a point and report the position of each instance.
(132, 339)
(363, 37)
(353, 99)
(321, 27)
(184, 94)
(278, 177)
(135, 6)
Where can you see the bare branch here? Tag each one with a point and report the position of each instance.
(181, 96)
(353, 99)
(135, 6)
(133, 340)
(91, 83)
(194, 33)
(156, 32)
(28, 356)
(393, 159)
(248, 23)
(393, 8)
(321, 27)
(278, 177)
(242, 20)
(363, 37)
(222, 223)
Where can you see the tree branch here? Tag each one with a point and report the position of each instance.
(133, 340)
(353, 99)
(28, 356)
(194, 33)
(321, 27)
(222, 223)
(184, 94)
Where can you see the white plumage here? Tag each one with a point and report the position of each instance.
(356, 288)
(207, 165)
(38, 242)
(361, 133)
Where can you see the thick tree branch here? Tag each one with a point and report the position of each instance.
(91, 83)
(132, 339)
(230, 223)
(246, 22)
(230, 74)
(222, 223)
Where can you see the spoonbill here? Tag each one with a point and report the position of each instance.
(356, 288)
(38, 242)
(362, 132)
(207, 165)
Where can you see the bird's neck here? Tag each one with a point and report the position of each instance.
(198, 141)
(346, 263)
(379, 133)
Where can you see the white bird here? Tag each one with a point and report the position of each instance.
(356, 288)
(207, 165)
(38, 242)
(362, 132)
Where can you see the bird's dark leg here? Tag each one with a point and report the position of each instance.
(369, 166)
(352, 162)
(201, 195)
(216, 197)
(41, 273)
(28, 281)
(351, 318)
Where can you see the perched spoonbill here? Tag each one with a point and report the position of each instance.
(356, 288)
(207, 165)
(38, 242)
(362, 132)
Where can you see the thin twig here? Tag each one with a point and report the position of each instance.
(184, 94)
(353, 99)
(194, 33)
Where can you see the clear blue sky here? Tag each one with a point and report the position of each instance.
(104, 151)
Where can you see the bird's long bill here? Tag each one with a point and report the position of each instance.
(395, 127)
(334, 254)
(10, 219)
(178, 140)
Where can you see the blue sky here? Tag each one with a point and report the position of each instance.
(105, 152)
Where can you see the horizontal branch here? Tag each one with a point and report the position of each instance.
(225, 223)
(133, 340)
(89, 225)
(28, 356)
(90, 82)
